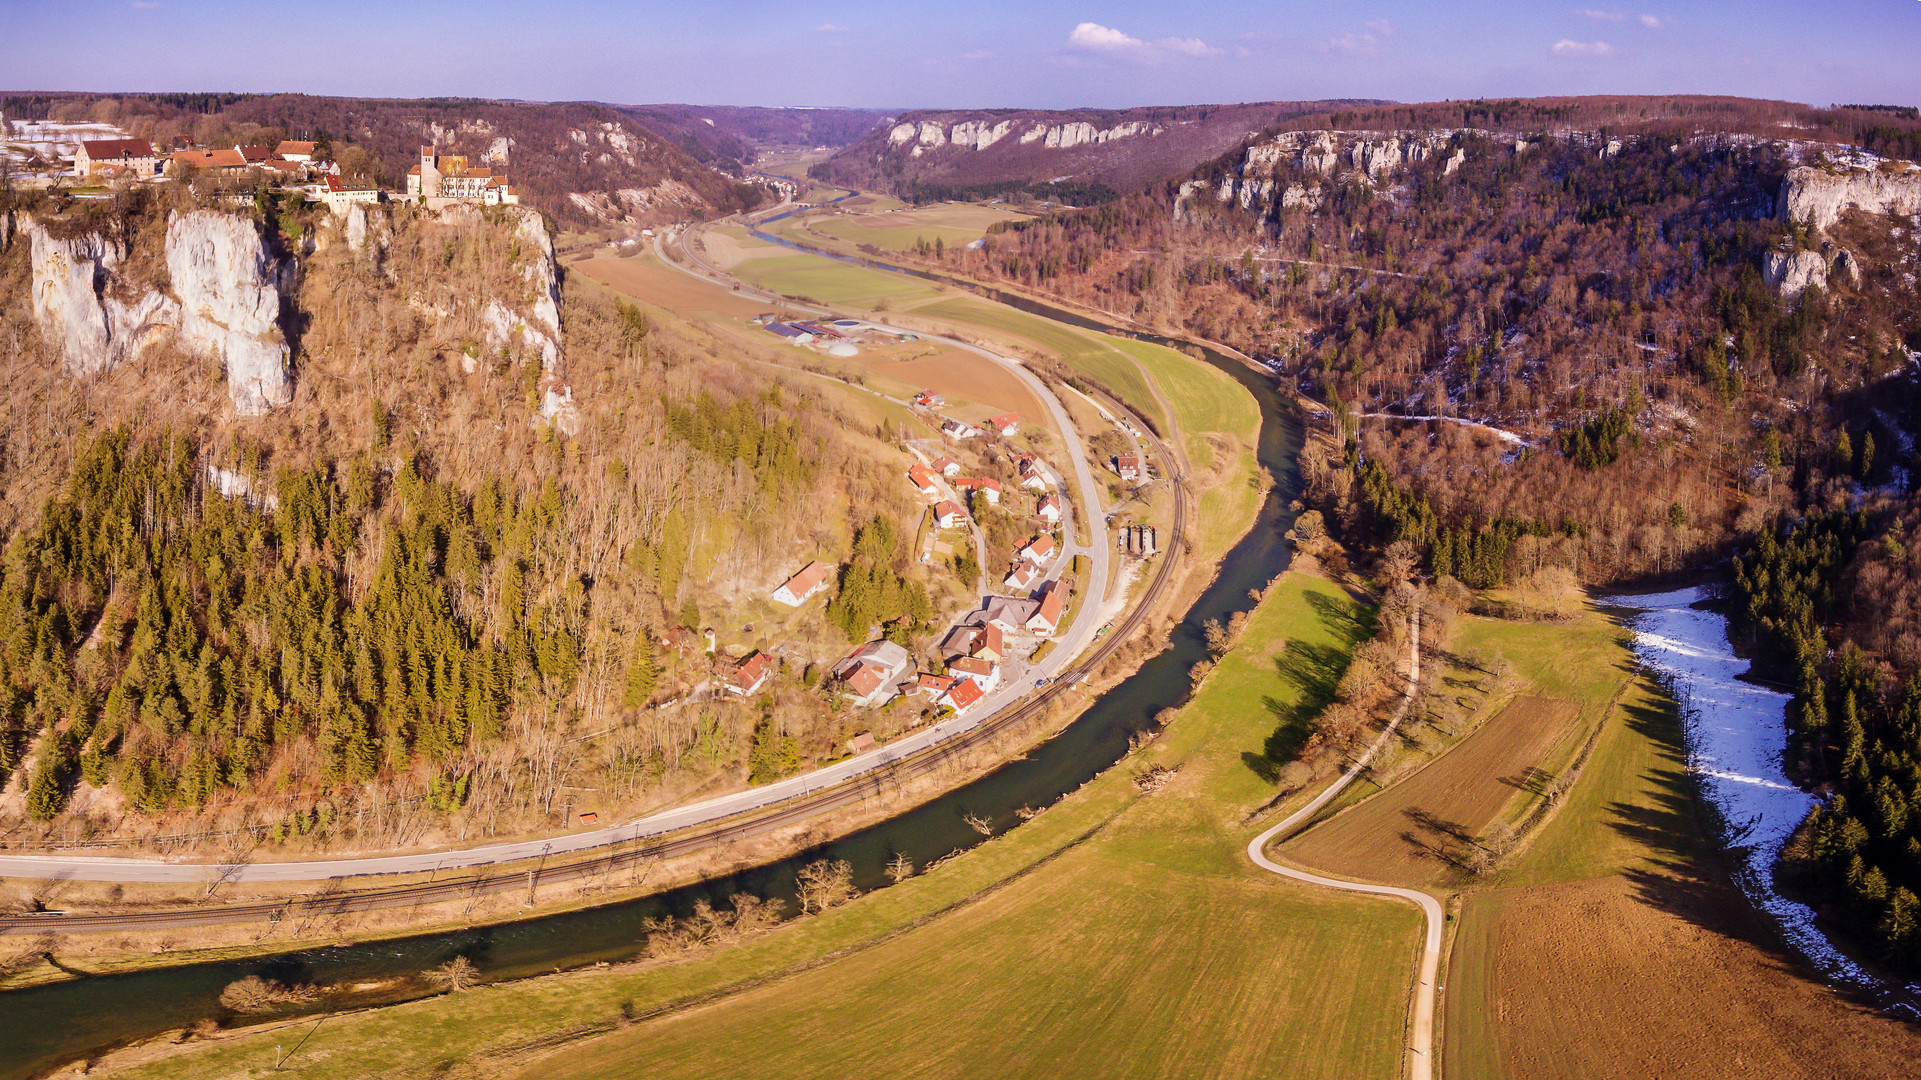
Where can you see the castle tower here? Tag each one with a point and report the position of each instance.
(429, 172)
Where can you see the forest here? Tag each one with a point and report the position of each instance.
(409, 605)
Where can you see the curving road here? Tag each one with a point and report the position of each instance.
(1070, 644)
(1420, 1049)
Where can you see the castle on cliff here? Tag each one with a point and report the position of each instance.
(448, 176)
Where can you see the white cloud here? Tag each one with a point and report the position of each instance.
(1095, 38)
(1566, 47)
(1652, 22)
(1098, 38)
(1601, 16)
(1382, 27)
(1350, 43)
(829, 28)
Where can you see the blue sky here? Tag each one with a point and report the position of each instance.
(980, 53)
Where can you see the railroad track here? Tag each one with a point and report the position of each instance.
(714, 834)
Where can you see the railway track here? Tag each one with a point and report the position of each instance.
(619, 855)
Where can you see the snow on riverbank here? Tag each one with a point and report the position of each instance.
(1736, 732)
(1502, 434)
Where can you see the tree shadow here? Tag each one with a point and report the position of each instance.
(1532, 779)
(1315, 671)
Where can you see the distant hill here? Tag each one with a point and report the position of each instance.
(728, 136)
(1082, 153)
(583, 163)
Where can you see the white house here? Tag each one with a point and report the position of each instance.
(1049, 509)
(795, 591)
(948, 515)
(871, 672)
(1024, 575)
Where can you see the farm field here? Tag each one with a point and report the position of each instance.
(1407, 834)
(960, 375)
(728, 246)
(951, 223)
(1616, 946)
(811, 277)
(643, 278)
(1133, 913)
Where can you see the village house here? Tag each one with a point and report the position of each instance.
(983, 640)
(1023, 576)
(339, 194)
(964, 694)
(795, 591)
(1048, 509)
(1010, 613)
(1006, 424)
(1039, 549)
(954, 429)
(294, 151)
(1032, 478)
(137, 157)
(749, 675)
(947, 467)
(1128, 466)
(989, 487)
(870, 672)
(923, 479)
(1047, 618)
(984, 673)
(934, 686)
(928, 399)
(861, 743)
(949, 515)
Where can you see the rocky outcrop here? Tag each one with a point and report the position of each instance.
(1792, 273)
(229, 289)
(1258, 180)
(1849, 267)
(926, 135)
(1820, 195)
(83, 309)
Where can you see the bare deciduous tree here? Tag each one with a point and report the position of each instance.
(824, 884)
(453, 976)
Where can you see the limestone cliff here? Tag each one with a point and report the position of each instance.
(229, 289)
(1820, 195)
(1792, 273)
(83, 309)
(1259, 179)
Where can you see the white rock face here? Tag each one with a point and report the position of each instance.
(1818, 194)
(1847, 266)
(356, 227)
(229, 291)
(94, 328)
(537, 248)
(979, 134)
(1792, 273)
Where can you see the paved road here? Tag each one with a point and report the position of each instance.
(1070, 643)
(1420, 1050)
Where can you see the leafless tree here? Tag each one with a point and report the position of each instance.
(900, 868)
(824, 884)
(453, 976)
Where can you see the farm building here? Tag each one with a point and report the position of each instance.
(928, 399)
(949, 515)
(137, 156)
(749, 675)
(795, 591)
(794, 334)
(1048, 509)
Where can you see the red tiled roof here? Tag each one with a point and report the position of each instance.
(102, 149)
(964, 693)
(1005, 420)
(809, 579)
(865, 678)
(944, 509)
(972, 666)
(1040, 546)
(1053, 604)
(288, 146)
(749, 671)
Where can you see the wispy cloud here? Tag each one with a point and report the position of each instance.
(1601, 16)
(1107, 41)
(1382, 27)
(145, 5)
(830, 28)
(1652, 22)
(1568, 47)
(1351, 43)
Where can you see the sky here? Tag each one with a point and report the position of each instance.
(977, 54)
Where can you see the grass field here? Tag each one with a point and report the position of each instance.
(1146, 946)
(951, 223)
(811, 277)
(1615, 945)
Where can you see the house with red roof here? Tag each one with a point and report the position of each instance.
(947, 467)
(1038, 549)
(923, 478)
(949, 515)
(1049, 509)
(1047, 618)
(749, 675)
(795, 590)
(870, 673)
(929, 399)
(1023, 576)
(1128, 466)
(984, 673)
(137, 156)
(1007, 424)
(963, 695)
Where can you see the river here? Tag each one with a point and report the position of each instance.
(44, 1026)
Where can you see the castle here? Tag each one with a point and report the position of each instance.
(447, 176)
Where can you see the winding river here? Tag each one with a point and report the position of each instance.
(44, 1026)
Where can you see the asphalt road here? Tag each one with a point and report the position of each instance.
(1077, 637)
(1420, 1050)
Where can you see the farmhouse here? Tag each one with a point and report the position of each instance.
(290, 150)
(870, 672)
(137, 156)
(1049, 509)
(949, 515)
(923, 478)
(1128, 466)
(1006, 424)
(928, 399)
(749, 675)
(795, 591)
